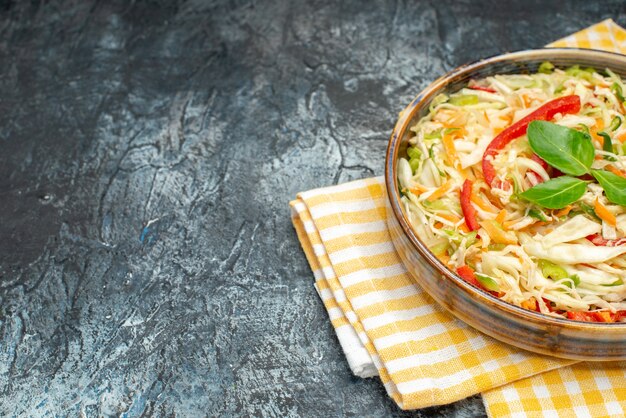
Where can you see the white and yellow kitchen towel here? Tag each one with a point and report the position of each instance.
(388, 326)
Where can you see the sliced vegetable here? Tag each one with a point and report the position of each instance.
(434, 134)
(563, 105)
(546, 67)
(439, 249)
(598, 240)
(607, 145)
(481, 88)
(440, 191)
(617, 90)
(466, 273)
(501, 216)
(604, 213)
(574, 228)
(584, 73)
(537, 214)
(457, 237)
(615, 171)
(487, 282)
(566, 149)
(469, 213)
(463, 100)
(597, 316)
(450, 150)
(556, 193)
(615, 123)
(551, 270)
(413, 152)
(497, 233)
(587, 209)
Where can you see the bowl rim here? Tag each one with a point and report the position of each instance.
(406, 116)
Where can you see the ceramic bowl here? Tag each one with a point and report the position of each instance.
(508, 323)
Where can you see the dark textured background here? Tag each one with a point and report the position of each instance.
(148, 151)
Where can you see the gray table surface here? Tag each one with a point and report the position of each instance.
(148, 266)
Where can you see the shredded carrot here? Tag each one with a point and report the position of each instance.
(621, 137)
(480, 203)
(564, 211)
(440, 191)
(418, 189)
(508, 118)
(508, 224)
(604, 213)
(455, 219)
(615, 171)
(497, 233)
(530, 304)
(501, 216)
(450, 150)
(450, 217)
(599, 125)
(444, 258)
(438, 225)
(492, 199)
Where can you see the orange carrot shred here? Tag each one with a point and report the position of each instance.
(440, 191)
(501, 216)
(604, 213)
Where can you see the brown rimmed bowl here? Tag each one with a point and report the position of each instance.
(501, 320)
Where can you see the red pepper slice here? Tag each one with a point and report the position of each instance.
(467, 274)
(580, 316)
(603, 316)
(598, 241)
(565, 104)
(541, 161)
(469, 212)
(543, 164)
(481, 88)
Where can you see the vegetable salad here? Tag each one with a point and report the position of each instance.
(518, 183)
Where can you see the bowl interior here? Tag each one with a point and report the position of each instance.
(511, 63)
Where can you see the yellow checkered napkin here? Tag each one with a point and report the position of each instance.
(388, 326)
(385, 323)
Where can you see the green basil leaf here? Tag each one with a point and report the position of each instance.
(563, 148)
(556, 193)
(614, 186)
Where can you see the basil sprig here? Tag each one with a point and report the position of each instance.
(556, 193)
(563, 148)
(568, 150)
(571, 152)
